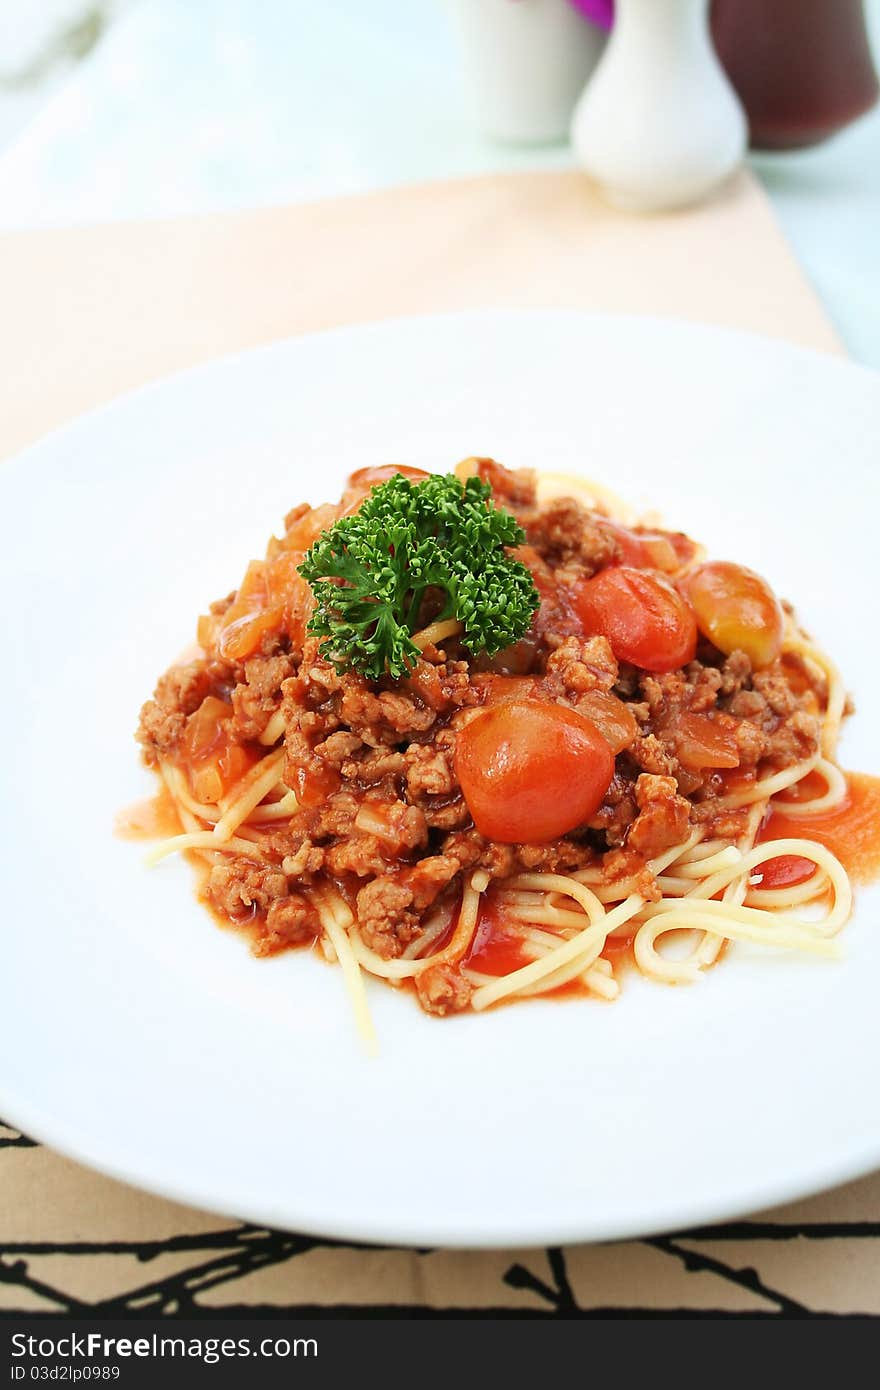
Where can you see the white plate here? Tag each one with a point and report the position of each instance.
(139, 1038)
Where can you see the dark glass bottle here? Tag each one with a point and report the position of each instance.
(802, 68)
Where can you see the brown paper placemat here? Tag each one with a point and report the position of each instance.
(90, 312)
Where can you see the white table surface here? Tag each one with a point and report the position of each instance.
(199, 105)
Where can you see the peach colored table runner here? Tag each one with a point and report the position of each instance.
(90, 312)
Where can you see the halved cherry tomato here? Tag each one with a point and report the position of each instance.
(737, 610)
(531, 771)
(645, 619)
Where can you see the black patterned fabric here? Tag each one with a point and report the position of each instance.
(76, 1243)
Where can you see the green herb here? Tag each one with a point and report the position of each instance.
(370, 572)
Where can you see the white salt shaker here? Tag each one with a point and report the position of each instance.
(659, 124)
(525, 64)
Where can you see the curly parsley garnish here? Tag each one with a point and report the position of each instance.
(370, 573)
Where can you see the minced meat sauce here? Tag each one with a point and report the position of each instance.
(380, 810)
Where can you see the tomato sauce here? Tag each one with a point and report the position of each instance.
(496, 948)
(851, 831)
(314, 782)
(786, 871)
(725, 783)
(155, 818)
(619, 949)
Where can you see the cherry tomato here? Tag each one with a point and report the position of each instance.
(644, 618)
(737, 610)
(531, 771)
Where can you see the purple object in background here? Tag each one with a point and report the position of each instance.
(599, 11)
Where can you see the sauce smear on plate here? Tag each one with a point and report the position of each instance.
(851, 831)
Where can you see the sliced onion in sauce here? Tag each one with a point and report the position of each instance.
(615, 722)
(701, 742)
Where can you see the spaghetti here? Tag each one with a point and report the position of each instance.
(384, 819)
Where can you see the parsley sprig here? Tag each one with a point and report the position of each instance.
(370, 572)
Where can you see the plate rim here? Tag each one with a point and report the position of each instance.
(760, 1199)
(225, 360)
